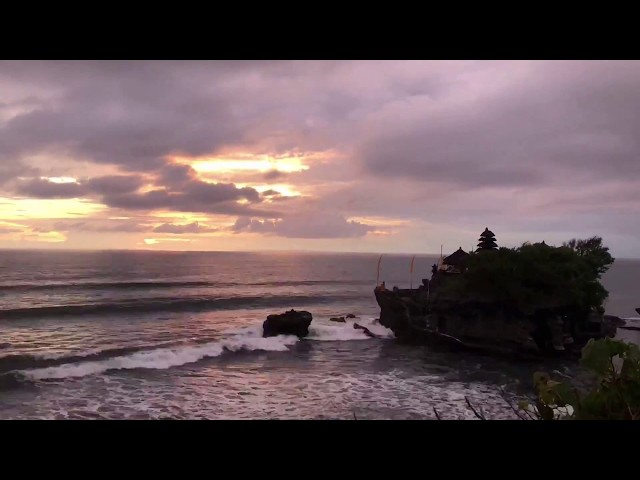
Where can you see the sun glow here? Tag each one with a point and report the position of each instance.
(60, 179)
(244, 163)
(14, 209)
(156, 241)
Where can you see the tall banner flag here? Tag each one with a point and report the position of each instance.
(378, 277)
(411, 270)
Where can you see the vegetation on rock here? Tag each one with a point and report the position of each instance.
(535, 276)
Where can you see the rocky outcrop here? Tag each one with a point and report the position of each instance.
(638, 310)
(337, 319)
(288, 323)
(365, 330)
(614, 321)
(351, 315)
(477, 324)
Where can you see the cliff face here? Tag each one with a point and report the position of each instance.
(414, 317)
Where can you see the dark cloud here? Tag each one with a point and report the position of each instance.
(252, 225)
(271, 193)
(174, 175)
(115, 184)
(195, 196)
(177, 229)
(42, 188)
(107, 185)
(184, 195)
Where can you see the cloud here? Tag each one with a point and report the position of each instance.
(43, 188)
(274, 175)
(106, 185)
(546, 120)
(252, 225)
(522, 143)
(177, 229)
(308, 225)
(95, 225)
(194, 196)
(183, 193)
(10, 169)
(115, 184)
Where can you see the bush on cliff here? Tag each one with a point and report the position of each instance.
(613, 393)
(535, 276)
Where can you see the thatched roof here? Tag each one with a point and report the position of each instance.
(487, 243)
(487, 233)
(456, 258)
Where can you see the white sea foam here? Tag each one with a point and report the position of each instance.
(345, 331)
(245, 338)
(162, 358)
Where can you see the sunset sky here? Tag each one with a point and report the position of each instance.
(357, 156)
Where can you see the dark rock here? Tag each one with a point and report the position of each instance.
(288, 323)
(614, 321)
(478, 324)
(337, 319)
(351, 315)
(638, 310)
(366, 331)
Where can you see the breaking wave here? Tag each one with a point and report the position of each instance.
(345, 331)
(161, 358)
(33, 368)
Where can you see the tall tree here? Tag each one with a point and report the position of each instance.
(594, 253)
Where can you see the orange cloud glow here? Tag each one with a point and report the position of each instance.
(243, 163)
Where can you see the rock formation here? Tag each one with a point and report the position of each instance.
(484, 326)
(288, 323)
(365, 330)
(526, 300)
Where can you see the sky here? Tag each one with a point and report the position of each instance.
(355, 156)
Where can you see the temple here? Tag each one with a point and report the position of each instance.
(454, 263)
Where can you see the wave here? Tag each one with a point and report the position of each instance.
(160, 357)
(167, 284)
(345, 331)
(164, 304)
(26, 361)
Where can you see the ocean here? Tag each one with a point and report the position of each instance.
(178, 335)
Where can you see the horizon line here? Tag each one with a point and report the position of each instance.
(274, 251)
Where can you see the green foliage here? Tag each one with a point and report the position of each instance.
(613, 395)
(595, 254)
(536, 276)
